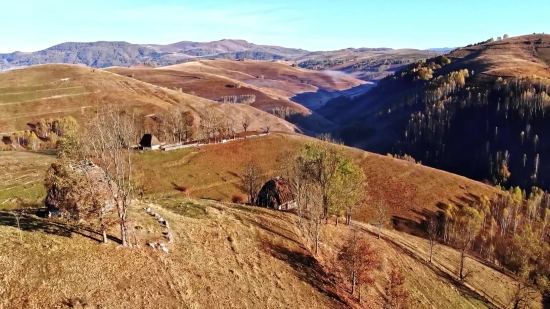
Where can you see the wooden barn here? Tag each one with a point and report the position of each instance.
(277, 193)
(149, 142)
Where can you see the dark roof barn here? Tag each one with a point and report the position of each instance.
(277, 193)
(149, 141)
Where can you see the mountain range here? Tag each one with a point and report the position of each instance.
(106, 54)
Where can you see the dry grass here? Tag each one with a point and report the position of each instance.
(22, 177)
(213, 172)
(294, 77)
(513, 57)
(224, 256)
(213, 87)
(217, 261)
(46, 95)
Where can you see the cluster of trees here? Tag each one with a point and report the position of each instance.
(404, 157)
(45, 134)
(420, 70)
(317, 64)
(510, 230)
(215, 126)
(494, 131)
(175, 125)
(244, 99)
(283, 112)
(328, 183)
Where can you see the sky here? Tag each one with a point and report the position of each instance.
(31, 25)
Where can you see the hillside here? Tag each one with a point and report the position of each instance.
(309, 88)
(214, 87)
(410, 190)
(226, 255)
(364, 63)
(481, 112)
(36, 92)
(104, 54)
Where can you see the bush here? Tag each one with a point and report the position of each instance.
(237, 199)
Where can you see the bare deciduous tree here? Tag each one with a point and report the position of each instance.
(381, 215)
(314, 201)
(109, 138)
(246, 122)
(252, 180)
(432, 231)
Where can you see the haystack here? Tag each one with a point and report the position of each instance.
(277, 193)
(95, 182)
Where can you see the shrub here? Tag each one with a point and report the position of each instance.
(237, 199)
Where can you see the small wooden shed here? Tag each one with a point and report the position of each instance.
(277, 193)
(149, 142)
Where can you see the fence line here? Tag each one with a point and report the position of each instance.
(197, 144)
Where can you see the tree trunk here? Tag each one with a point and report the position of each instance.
(317, 226)
(123, 234)
(104, 233)
(462, 256)
(360, 287)
(353, 280)
(431, 250)
(336, 221)
(379, 228)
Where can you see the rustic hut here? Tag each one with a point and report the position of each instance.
(87, 181)
(277, 193)
(149, 142)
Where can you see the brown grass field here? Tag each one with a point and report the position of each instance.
(224, 256)
(45, 94)
(526, 55)
(213, 172)
(213, 87)
(297, 79)
(233, 256)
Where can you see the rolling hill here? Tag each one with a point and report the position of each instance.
(212, 86)
(36, 92)
(229, 255)
(481, 112)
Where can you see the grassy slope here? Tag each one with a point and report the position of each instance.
(224, 256)
(213, 87)
(294, 77)
(213, 172)
(513, 57)
(217, 261)
(21, 175)
(45, 95)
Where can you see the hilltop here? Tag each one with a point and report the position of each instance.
(474, 111)
(275, 84)
(364, 63)
(36, 92)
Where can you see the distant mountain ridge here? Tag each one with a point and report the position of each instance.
(103, 54)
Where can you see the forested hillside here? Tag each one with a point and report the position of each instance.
(481, 111)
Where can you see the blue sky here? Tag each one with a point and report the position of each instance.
(30, 25)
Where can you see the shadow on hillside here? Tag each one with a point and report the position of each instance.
(453, 280)
(307, 269)
(34, 224)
